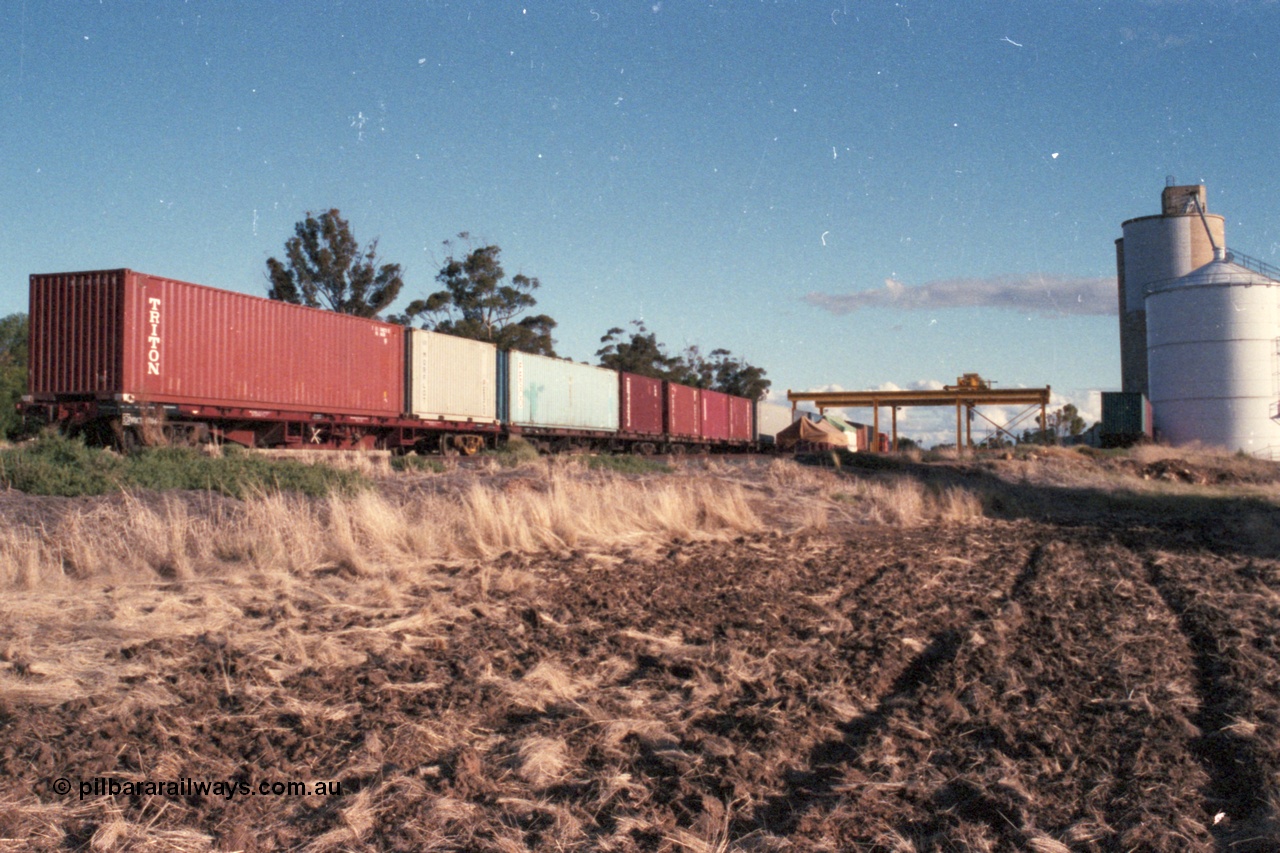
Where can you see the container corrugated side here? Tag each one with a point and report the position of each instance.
(1125, 413)
(641, 401)
(771, 419)
(451, 378)
(684, 411)
(147, 339)
(552, 393)
(741, 423)
(715, 415)
(860, 438)
(75, 345)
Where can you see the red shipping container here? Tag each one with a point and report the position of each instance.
(715, 415)
(641, 402)
(741, 425)
(684, 414)
(128, 336)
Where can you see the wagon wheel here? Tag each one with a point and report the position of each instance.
(124, 439)
(470, 445)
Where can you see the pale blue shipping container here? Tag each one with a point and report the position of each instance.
(551, 393)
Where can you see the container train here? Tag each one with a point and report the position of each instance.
(129, 358)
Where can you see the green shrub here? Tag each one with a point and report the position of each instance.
(417, 463)
(55, 465)
(516, 451)
(627, 464)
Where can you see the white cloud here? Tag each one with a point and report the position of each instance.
(1046, 295)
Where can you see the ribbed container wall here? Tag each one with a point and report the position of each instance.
(741, 422)
(641, 404)
(451, 378)
(148, 339)
(76, 345)
(684, 411)
(551, 393)
(1212, 343)
(1126, 416)
(771, 419)
(862, 438)
(715, 415)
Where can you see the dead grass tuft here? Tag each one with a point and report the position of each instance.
(542, 761)
(368, 534)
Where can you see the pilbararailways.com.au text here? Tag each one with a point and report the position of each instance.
(224, 789)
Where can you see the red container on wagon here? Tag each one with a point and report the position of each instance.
(136, 338)
(715, 415)
(741, 426)
(684, 412)
(641, 401)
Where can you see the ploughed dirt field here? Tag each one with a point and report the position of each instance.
(1051, 652)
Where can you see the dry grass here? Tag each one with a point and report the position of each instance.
(127, 539)
(277, 541)
(759, 656)
(908, 503)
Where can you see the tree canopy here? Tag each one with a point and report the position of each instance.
(641, 354)
(719, 371)
(478, 302)
(325, 267)
(14, 332)
(1066, 422)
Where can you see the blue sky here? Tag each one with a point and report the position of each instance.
(848, 194)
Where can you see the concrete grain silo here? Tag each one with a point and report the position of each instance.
(1157, 249)
(1211, 354)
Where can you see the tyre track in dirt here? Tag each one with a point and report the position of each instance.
(1000, 732)
(903, 727)
(1239, 715)
(813, 793)
(1088, 697)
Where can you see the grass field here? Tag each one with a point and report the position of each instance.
(1041, 651)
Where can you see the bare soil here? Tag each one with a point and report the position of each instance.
(1092, 665)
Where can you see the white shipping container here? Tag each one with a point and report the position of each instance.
(552, 393)
(452, 378)
(771, 419)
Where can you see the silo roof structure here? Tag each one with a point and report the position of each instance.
(1157, 248)
(1212, 338)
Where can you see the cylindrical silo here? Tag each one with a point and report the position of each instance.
(1156, 249)
(1212, 339)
